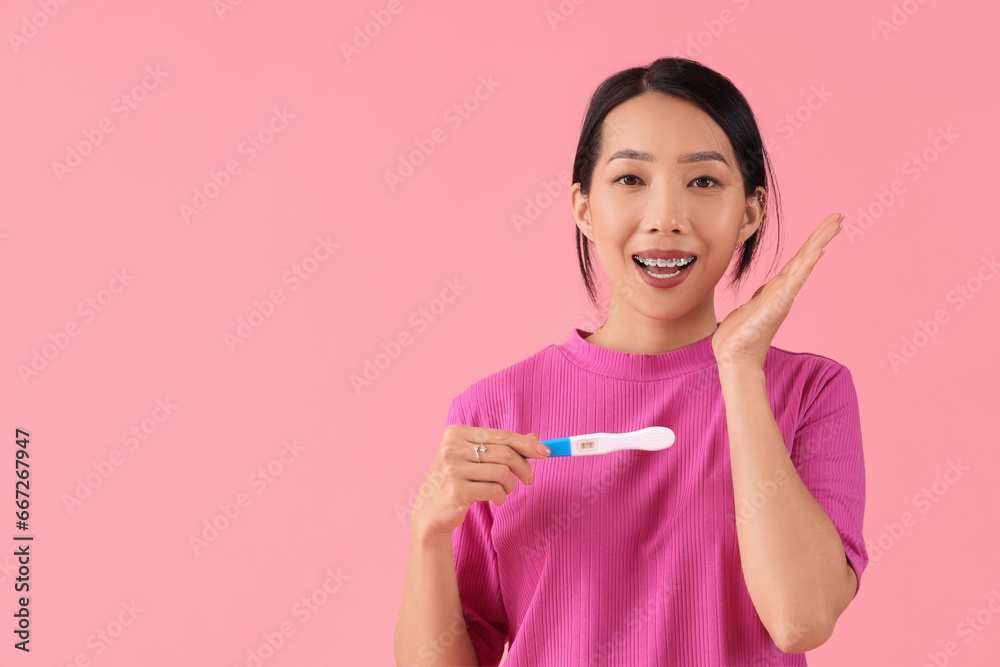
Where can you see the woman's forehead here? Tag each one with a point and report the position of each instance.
(662, 125)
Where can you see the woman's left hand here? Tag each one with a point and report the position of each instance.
(743, 338)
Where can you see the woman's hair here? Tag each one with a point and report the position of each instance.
(714, 94)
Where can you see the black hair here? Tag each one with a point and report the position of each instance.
(714, 94)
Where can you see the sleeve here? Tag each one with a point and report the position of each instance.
(477, 569)
(828, 456)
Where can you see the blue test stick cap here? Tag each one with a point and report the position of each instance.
(559, 446)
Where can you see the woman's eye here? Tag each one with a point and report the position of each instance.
(631, 179)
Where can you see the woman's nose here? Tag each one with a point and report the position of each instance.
(665, 211)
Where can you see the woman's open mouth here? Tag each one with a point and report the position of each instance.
(664, 268)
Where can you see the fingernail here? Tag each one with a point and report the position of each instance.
(542, 449)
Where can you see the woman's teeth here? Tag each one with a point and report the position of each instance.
(647, 264)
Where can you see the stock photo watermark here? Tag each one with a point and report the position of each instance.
(762, 493)
(915, 166)
(925, 330)
(264, 309)
(898, 17)
(454, 116)
(713, 29)
(433, 481)
(105, 467)
(364, 34)
(105, 636)
(968, 629)
(796, 119)
(560, 522)
(223, 7)
(32, 23)
(562, 12)
(420, 319)
(122, 107)
(303, 610)
(436, 646)
(924, 500)
(7, 569)
(637, 620)
(88, 309)
(696, 44)
(544, 197)
(230, 511)
(218, 181)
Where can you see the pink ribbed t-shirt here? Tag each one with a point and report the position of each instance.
(630, 558)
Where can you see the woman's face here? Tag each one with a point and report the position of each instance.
(666, 193)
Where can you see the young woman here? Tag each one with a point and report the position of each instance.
(740, 544)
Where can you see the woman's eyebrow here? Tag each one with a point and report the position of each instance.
(700, 156)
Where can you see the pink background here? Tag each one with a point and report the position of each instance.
(331, 524)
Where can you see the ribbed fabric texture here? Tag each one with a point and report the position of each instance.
(630, 558)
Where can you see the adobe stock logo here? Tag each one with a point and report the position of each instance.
(223, 7)
(926, 330)
(303, 609)
(123, 105)
(38, 20)
(545, 195)
(697, 44)
(381, 18)
(914, 167)
(455, 116)
(104, 637)
(969, 628)
(295, 276)
(59, 341)
(104, 468)
(420, 319)
(231, 510)
(898, 18)
(250, 148)
(924, 500)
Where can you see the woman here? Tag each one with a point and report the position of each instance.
(741, 544)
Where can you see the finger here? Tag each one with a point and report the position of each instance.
(505, 454)
(500, 464)
(486, 491)
(828, 226)
(510, 460)
(813, 246)
(525, 445)
(792, 278)
(827, 229)
(496, 473)
(800, 271)
(783, 288)
(798, 278)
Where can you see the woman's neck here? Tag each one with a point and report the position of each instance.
(641, 335)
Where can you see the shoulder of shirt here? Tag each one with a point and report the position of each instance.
(809, 368)
(783, 356)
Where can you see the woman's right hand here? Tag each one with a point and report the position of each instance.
(457, 479)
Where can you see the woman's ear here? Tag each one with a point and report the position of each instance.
(753, 214)
(581, 210)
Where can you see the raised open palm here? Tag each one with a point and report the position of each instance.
(745, 335)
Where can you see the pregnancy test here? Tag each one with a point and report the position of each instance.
(650, 439)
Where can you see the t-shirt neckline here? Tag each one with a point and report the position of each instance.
(630, 366)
